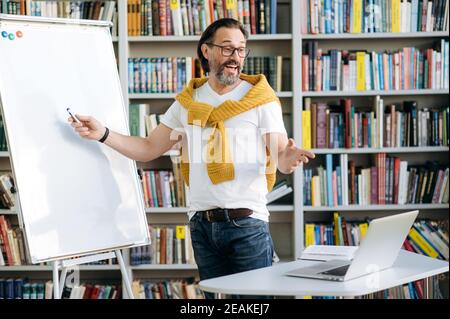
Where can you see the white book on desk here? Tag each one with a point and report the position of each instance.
(328, 252)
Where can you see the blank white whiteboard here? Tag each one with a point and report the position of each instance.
(76, 196)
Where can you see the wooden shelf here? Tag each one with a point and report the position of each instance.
(49, 268)
(177, 210)
(284, 94)
(196, 38)
(280, 208)
(375, 207)
(169, 153)
(7, 212)
(166, 210)
(373, 36)
(170, 96)
(375, 93)
(424, 149)
(165, 267)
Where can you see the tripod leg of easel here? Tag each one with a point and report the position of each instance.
(62, 280)
(58, 283)
(125, 277)
(55, 280)
(427, 282)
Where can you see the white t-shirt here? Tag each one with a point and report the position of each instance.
(244, 132)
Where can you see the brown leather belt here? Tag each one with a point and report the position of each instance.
(224, 214)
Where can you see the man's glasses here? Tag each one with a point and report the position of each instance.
(229, 51)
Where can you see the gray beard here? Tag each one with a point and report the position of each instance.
(227, 79)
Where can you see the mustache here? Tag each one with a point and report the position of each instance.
(230, 62)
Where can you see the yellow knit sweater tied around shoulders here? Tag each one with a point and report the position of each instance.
(219, 162)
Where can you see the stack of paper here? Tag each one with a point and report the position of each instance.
(328, 252)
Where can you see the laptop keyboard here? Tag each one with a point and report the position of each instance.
(339, 271)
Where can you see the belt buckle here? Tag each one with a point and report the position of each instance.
(208, 215)
(224, 214)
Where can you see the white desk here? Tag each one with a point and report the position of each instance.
(272, 281)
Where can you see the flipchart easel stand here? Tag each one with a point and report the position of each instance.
(65, 264)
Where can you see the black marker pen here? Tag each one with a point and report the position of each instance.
(73, 117)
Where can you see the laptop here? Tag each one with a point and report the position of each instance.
(378, 250)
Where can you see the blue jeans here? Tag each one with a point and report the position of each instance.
(225, 248)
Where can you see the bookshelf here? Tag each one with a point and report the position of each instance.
(425, 97)
(155, 46)
(286, 221)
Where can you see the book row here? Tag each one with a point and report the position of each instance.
(191, 17)
(170, 245)
(370, 16)
(359, 70)
(341, 125)
(389, 181)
